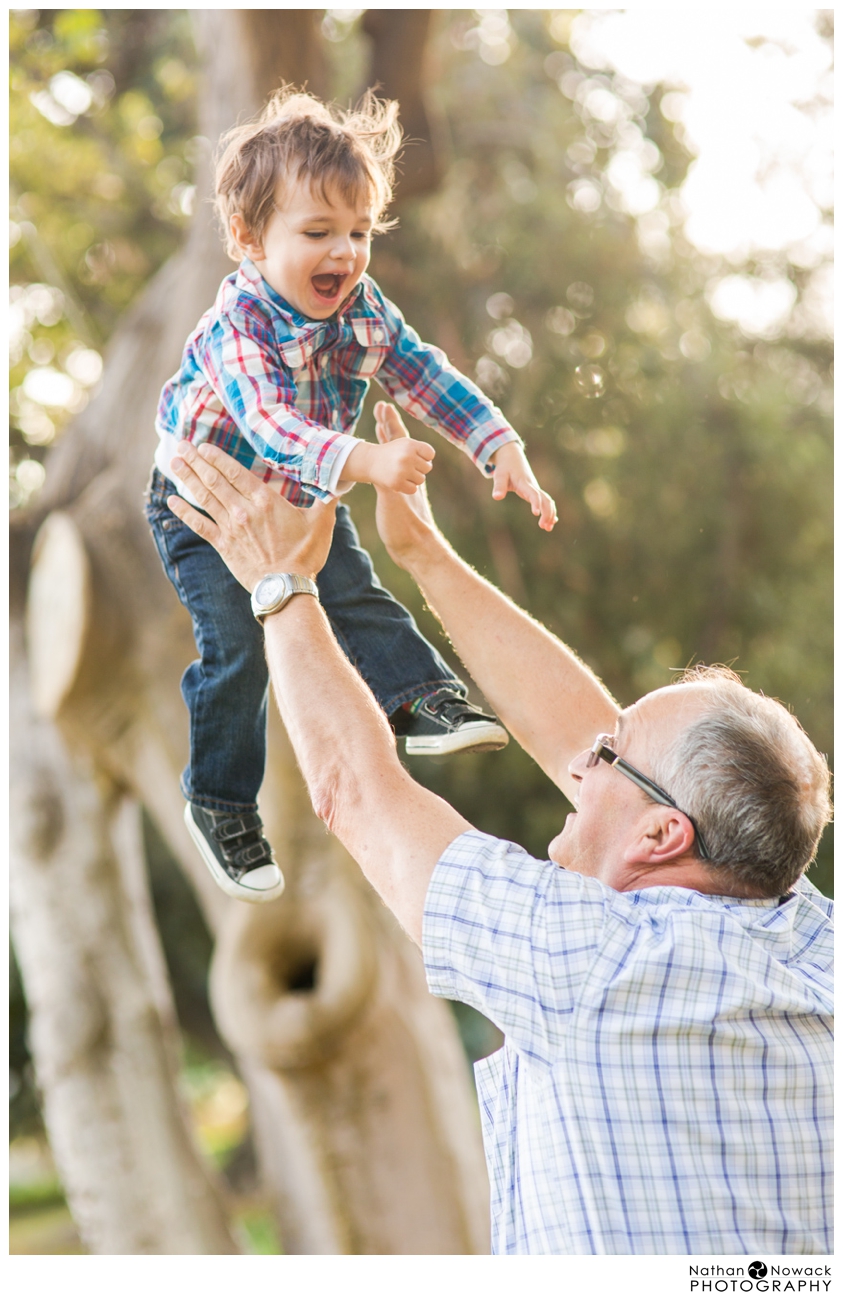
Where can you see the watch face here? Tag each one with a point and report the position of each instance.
(270, 590)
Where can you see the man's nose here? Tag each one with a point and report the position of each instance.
(579, 765)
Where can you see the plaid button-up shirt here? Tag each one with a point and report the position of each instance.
(665, 1086)
(283, 393)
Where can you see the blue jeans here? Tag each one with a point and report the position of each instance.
(226, 688)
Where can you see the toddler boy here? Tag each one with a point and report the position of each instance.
(275, 373)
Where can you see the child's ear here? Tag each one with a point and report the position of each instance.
(242, 236)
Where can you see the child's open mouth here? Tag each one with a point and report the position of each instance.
(328, 286)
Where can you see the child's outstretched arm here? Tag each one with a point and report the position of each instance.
(513, 473)
(421, 379)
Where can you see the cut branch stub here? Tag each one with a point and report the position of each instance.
(58, 611)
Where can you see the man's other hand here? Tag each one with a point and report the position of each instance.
(254, 529)
(404, 522)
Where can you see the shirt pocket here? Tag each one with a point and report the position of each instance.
(372, 346)
(296, 353)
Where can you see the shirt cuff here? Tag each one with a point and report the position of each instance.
(320, 456)
(335, 485)
(488, 444)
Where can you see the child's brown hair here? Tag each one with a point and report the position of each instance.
(297, 135)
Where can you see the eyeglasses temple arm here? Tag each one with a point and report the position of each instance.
(658, 795)
(648, 786)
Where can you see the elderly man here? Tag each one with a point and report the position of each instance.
(663, 981)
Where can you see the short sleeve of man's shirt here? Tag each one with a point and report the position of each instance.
(512, 936)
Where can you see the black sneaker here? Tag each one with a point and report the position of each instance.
(445, 723)
(235, 851)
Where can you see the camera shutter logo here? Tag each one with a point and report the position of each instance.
(757, 1270)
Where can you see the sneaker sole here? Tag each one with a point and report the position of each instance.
(220, 877)
(478, 737)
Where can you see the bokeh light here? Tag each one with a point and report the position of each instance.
(751, 99)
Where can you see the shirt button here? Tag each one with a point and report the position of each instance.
(377, 334)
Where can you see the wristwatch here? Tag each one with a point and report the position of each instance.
(276, 589)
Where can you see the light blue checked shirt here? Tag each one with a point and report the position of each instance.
(665, 1085)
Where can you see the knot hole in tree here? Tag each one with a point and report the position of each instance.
(290, 979)
(297, 969)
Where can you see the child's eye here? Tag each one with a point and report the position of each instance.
(314, 234)
(361, 234)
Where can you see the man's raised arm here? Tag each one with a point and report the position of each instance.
(546, 697)
(394, 829)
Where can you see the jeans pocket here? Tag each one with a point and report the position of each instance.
(155, 513)
(159, 515)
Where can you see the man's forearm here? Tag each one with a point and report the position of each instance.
(549, 700)
(393, 828)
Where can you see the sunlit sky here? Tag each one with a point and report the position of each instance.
(752, 97)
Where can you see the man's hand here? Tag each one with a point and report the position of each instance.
(404, 522)
(513, 473)
(396, 466)
(254, 529)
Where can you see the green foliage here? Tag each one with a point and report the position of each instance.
(24, 1112)
(258, 1231)
(691, 465)
(102, 146)
(43, 1194)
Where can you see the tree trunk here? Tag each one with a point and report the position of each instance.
(362, 1105)
(399, 68)
(102, 1024)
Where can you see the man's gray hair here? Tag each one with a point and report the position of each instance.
(749, 776)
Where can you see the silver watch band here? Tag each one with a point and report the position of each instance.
(301, 585)
(282, 587)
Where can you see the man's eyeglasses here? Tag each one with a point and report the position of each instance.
(601, 752)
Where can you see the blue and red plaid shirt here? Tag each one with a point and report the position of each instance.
(282, 393)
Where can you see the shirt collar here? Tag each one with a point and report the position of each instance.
(353, 299)
(249, 278)
(776, 915)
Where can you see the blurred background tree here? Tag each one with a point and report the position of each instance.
(689, 453)
(691, 461)
(350, 1077)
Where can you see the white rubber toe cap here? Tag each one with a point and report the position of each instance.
(473, 737)
(264, 883)
(265, 879)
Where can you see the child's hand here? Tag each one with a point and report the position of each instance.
(513, 473)
(400, 465)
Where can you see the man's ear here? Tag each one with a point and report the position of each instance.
(244, 239)
(665, 834)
